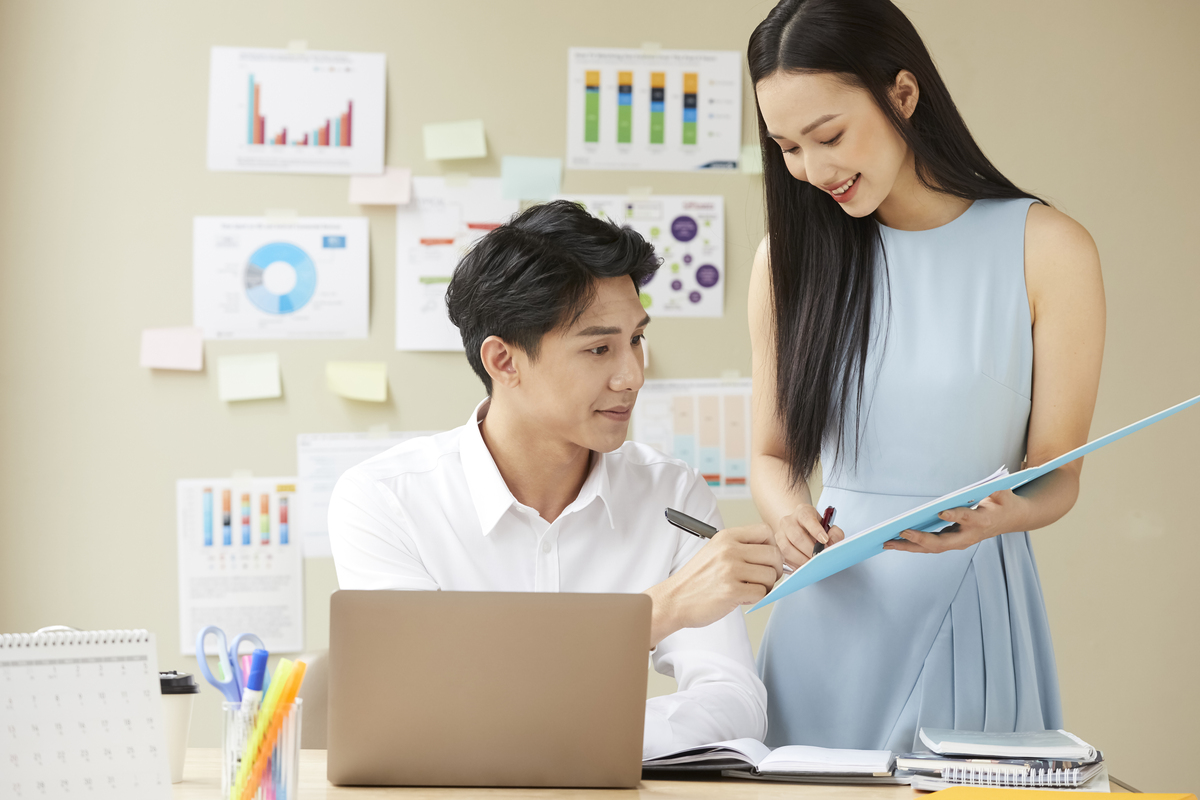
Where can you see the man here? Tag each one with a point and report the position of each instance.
(539, 491)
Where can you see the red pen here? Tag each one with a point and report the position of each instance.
(826, 521)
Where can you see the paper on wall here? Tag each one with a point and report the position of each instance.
(239, 562)
(432, 234)
(321, 458)
(524, 178)
(703, 422)
(173, 348)
(449, 140)
(688, 233)
(392, 188)
(358, 380)
(254, 376)
(280, 278)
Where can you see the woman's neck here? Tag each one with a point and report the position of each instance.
(913, 206)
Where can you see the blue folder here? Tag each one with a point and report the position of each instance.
(862, 546)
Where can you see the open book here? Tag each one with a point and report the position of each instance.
(754, 756)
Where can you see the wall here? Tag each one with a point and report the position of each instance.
(1090, 103)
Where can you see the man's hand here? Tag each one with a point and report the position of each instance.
(738, 566)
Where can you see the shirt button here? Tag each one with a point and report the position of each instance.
(545, 547)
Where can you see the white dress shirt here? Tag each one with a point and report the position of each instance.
(434, 513)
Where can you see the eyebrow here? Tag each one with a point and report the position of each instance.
(597, 330)
(808, 128)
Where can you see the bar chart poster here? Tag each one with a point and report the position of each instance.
(670, 110)
(704, 423)
(280, 278)
(688, 234)
(296, 111)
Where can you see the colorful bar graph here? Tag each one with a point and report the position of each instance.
(624, 107)
(591, 109)
(226, 519)
(658, 107)
(283, 520)
(691, 83)
(256, 125)
(245, 518)
(264, 519)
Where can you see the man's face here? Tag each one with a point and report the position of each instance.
(582, 387)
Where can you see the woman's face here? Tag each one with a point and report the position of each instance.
(836, 137)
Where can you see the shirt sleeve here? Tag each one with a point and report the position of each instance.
(720, 695)
(371, 549)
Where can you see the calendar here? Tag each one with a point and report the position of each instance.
(81, 716)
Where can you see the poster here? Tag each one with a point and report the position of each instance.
(677, 110)
(239, 561)
(280, 278)
(432, 233)
(321, 458)
(703, 422)
(296, 111)
(688, 234)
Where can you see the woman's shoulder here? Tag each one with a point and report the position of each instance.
(1060, 254)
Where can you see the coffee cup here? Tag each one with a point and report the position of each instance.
(179, 690)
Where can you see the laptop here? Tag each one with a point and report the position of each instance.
(487, 688)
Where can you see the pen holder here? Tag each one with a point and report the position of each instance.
(279, 777)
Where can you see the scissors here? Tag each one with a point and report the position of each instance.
(232, 682)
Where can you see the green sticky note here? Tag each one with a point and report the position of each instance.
(447, 140)
(249, 377)
(751, 160)
(358, 380)
(524, 178)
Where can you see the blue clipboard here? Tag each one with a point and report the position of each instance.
(865, 544)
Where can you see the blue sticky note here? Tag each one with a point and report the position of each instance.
(525, 178)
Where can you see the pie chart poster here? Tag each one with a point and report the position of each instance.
(268, 278)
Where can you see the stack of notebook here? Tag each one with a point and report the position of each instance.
(1035, 760)
(753, 760)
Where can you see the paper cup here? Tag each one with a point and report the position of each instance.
(179, 690)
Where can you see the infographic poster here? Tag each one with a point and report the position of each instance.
(688, 234)
(296, 111)
(432, 233)
(703, 422)
(278, 278)
(676, 110)
(239, 561)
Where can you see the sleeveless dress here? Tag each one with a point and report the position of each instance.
(866, 657)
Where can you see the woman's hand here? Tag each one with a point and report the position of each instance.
(996, 514)
(797, 533)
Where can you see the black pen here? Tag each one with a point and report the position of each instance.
(697, 528)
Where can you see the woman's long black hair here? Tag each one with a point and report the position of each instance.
(822, 259)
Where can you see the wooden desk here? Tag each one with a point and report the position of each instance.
(201, 781)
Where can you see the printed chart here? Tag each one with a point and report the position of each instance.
(432, 234)
(688, 234)
(321, 458)
(288, 111)
(677, 110)
(239, 561)
(267, 278)
(705, 423)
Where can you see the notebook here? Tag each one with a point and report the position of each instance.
(1022, 744)
(755, 757)
(1052, 759)
(81, 716)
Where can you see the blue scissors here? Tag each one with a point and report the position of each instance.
(232, 682)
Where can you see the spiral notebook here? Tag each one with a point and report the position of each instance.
(81, 716)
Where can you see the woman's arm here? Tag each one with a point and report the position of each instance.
(787, 509)
(1066, 303)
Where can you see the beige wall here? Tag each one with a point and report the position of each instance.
(1091, 103)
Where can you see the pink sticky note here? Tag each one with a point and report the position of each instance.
(392, 188)
(173, 348)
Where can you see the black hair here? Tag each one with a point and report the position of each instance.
(537, 272)
(822, 260)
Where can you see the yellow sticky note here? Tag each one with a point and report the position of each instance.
(445, 140)
(358, 380)
(249, 377)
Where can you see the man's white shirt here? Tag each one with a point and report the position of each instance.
(434, 513)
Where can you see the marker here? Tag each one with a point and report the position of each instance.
(826, 521)
(254, 684)
(697, 528)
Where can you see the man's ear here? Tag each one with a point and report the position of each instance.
(905, 93)
(497, 356)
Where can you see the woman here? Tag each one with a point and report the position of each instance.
(917, 321)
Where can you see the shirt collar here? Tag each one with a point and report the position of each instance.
(491, 495)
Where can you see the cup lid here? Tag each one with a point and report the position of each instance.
(172, 682)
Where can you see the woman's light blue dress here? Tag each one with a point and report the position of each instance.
(865, 658)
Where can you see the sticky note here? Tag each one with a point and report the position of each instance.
(249, 377)
(751, 160)
(173, 348)
(392, 188)
(524, 178)
(358, 380)
(444, 140)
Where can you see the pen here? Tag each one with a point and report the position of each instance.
(826, 521)
(697, 528)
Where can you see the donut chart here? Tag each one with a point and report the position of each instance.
(300, 293)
